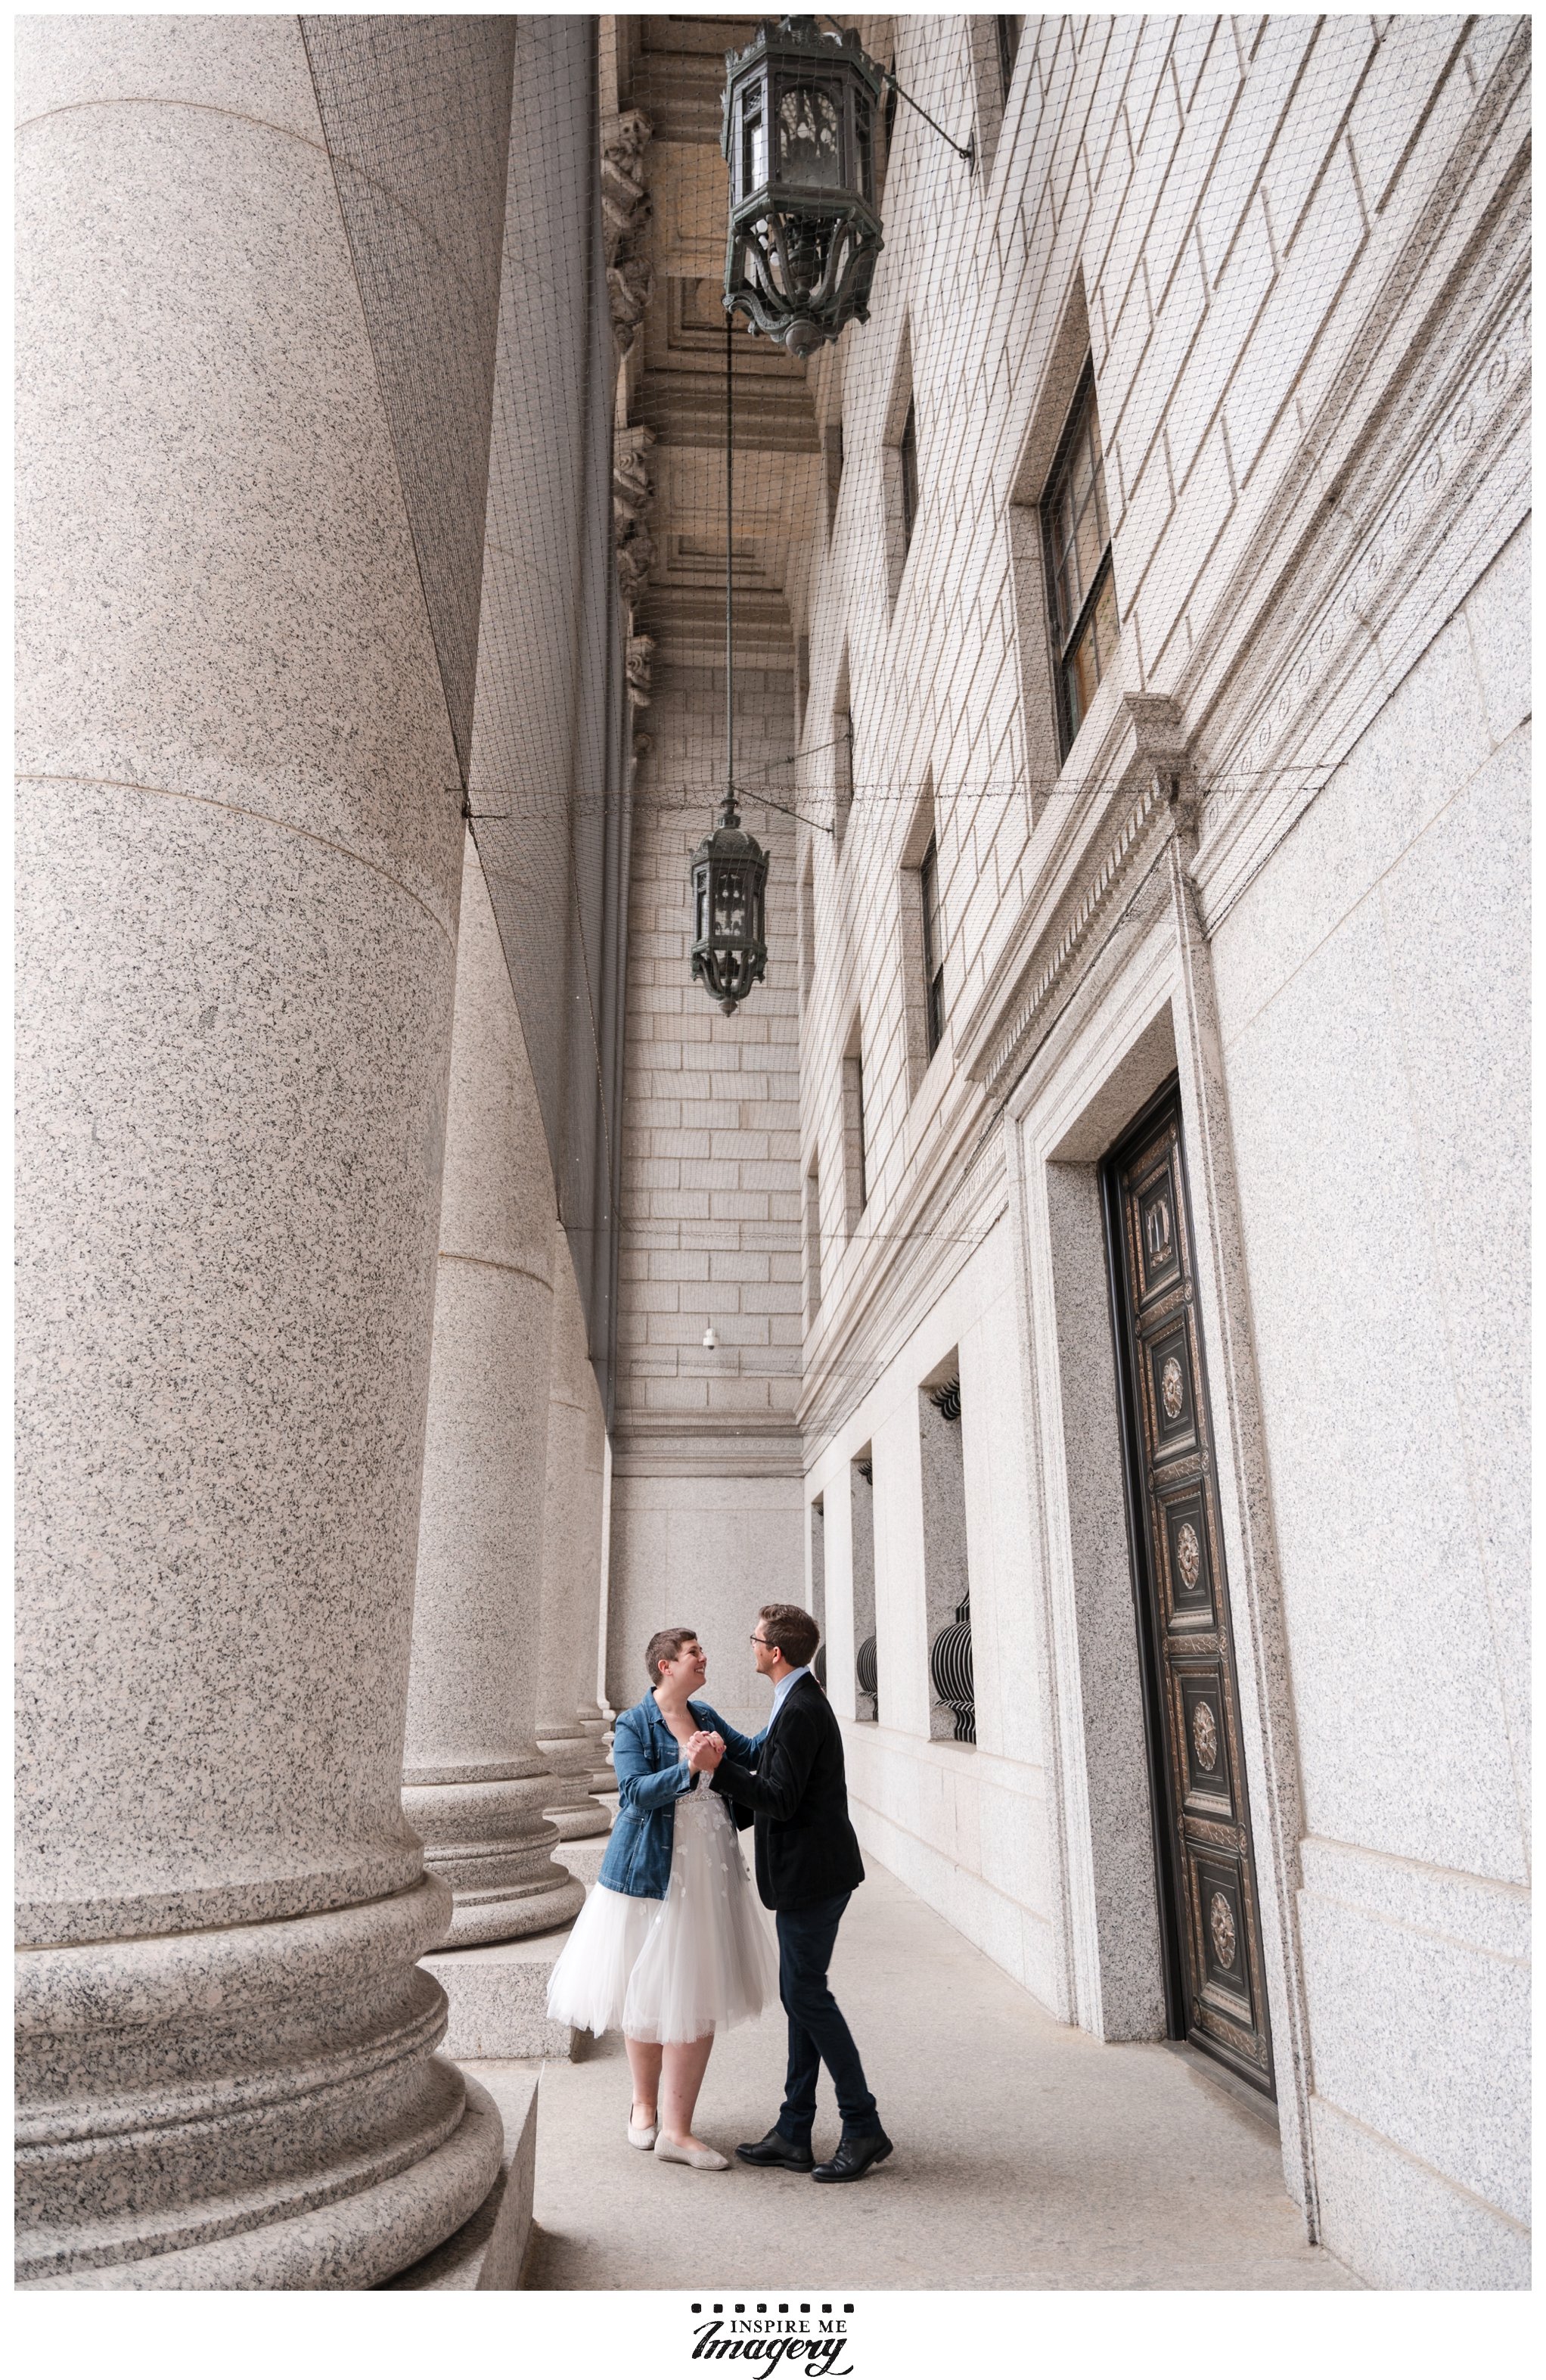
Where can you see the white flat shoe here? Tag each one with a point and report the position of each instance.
(641, 2136)
(706, 2160)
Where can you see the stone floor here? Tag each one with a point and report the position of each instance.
(1027, 2155)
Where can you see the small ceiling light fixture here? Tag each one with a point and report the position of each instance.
(708, 1337)
(798, 138)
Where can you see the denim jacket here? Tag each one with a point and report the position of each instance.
(651, 1771)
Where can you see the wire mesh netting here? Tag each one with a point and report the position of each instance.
(1152, 314)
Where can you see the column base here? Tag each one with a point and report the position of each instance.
(488, 1840)
(584, 1858)
(349, 2243)
(249, 2107)
(501, 1917)
(574, 1820)
(491, 2248)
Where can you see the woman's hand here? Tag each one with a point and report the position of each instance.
(704, 1750)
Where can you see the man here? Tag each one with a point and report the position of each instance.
(807, 1863)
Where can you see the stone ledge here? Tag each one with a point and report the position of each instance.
(490, 2250)
(583, 1859)
(498, 1992)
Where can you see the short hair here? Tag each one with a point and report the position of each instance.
(666, 1645)
(792, 1631)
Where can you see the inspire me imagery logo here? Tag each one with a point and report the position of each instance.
(806, 2337)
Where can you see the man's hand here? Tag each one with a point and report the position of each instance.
(704, 1750)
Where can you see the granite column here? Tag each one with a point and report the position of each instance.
(473, 1781)
(238, 857)
(570, 1564)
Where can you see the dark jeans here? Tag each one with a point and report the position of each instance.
(816, 2030)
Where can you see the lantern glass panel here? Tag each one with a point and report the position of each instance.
(700, 901)
(865, 146)
(810, 137)
(730, 900)
(753, 144)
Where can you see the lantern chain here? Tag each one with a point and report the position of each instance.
(731, 817)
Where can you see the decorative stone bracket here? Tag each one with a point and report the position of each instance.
(625, 213)
(633, 497)
(640, 651)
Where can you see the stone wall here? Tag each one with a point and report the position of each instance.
(707, 1511)
(1283, 858)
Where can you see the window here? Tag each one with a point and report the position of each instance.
(843, 759)
(923, 941)
(867, 1667)
(1008, 30)
(898, 466)
(807, 923)
(1083, 592)
(946, 1581)
(813, 1242)
(801, 684)
(832, 452)
(934, 947)
(908, 449)
(856, 1187)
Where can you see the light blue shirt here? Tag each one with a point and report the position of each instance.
(781, 1689)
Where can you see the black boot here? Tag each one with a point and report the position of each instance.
(853, 2158)
(774, 2148)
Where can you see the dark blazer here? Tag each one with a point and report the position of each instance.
(806, 1849)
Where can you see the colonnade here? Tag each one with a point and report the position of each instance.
(260, 997)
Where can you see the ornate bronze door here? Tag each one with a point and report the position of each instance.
(1202, 1819)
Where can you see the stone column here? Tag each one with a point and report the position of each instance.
(571, 1565)
(238, 856)
(589, 1713)
(473, 1781)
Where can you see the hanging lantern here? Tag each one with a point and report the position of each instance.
(730, 933)
(799, 137)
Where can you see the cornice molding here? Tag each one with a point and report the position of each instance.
(1141, 767)
(968, 1196)
(718, 1446)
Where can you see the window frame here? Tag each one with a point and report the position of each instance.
(934, 957)
(1063, 648)
(907, 464)
(1008, 49)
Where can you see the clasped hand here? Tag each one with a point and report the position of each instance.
(705, 1750)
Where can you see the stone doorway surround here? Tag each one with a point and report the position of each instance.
(1143, 1009)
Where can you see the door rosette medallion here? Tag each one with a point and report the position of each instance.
(1172, 1389)
(1221, 1925)
(1188, 1559)
(1204, 1741)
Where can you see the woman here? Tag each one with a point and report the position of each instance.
(672, 1944)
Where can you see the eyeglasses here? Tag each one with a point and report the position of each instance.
(759, 1640)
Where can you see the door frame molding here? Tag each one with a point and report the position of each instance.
(1142, 1010)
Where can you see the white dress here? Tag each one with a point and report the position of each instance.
(699, 1961)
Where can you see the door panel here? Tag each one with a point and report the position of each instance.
(1204, 1860)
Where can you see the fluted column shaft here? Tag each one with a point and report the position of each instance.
(473, 1781)
(238, 862)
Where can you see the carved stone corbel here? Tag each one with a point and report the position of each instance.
(625, 212)
(637, 669)
(633, 495)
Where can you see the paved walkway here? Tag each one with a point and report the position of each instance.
(1028, 2156)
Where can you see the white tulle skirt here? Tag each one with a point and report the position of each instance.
(699, 1961)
